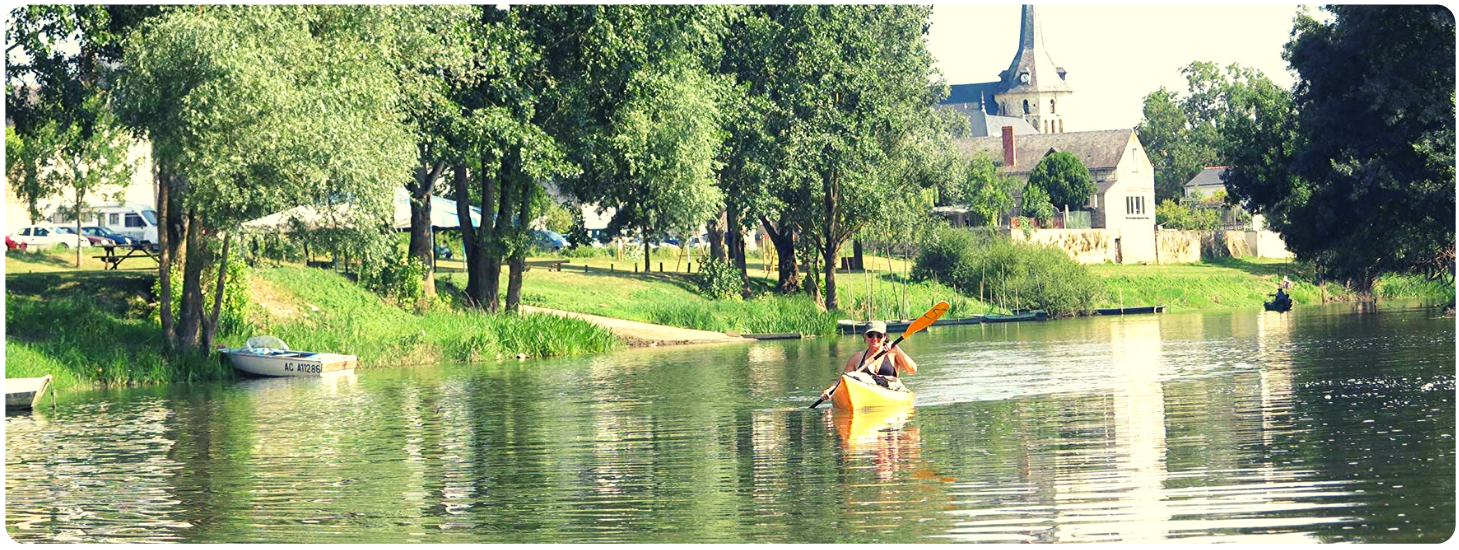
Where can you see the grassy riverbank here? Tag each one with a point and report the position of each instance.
(93, 327)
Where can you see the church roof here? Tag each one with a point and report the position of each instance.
(1032, 58)
(1098, 150)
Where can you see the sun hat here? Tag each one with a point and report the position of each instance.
(876, 326)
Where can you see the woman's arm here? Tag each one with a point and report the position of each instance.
(904, 361)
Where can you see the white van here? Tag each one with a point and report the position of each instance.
(134, 220)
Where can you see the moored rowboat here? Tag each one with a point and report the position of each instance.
(857, 391)
(25, 393)
(269, 356)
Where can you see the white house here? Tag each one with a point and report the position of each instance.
(1123, 204)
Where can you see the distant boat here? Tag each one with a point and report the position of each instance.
(270, 356)
(846, 326)
(1035, 315)
(25, 393)
(1281, 306)
(1129, 310)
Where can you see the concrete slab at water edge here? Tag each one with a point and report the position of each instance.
(637, 333)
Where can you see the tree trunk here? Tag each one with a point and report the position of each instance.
(831, 251)
(176, 223)
(211, 323)
(420, 220)
(521, 184)
(191, 308)
(164, 261)
(79, 236)
(735, 228)
(783, 238)
(716, 230)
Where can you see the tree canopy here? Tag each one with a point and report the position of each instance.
(1356, 168)
(1064, 179)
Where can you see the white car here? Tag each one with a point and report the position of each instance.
(42, 237)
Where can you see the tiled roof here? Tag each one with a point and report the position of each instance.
(1098, 150)
(1209, 177)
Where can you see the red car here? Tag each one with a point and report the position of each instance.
(12, 244)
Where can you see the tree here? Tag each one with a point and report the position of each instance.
(83, 164)
(1064, 179)
(1358, 172)
(857, 100)
(1184, 135)
(1036, 203)
(253, 109)
(987, 193)
(1175, 154)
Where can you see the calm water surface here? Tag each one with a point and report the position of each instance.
(1320, 425)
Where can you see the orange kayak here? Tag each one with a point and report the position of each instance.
(857, 391)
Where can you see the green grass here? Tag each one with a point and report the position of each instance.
(1240, 283)
(672, 298)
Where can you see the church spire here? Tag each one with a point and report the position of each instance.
(1033, 86)
(1032, 69)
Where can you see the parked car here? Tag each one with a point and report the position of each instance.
(549, 240)
(46, 237)
(12, 244)
(99, 231)
(95, 240)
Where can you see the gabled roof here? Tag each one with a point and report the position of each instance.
(978, 94)
(982, 124)
(1209, 177)
(1098, 150)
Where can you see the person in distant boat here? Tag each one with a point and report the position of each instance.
(1281, 296)
(895, 360)
(1286, 283)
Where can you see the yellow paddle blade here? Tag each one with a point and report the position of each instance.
(926, 319)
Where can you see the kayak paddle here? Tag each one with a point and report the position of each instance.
(922, 322)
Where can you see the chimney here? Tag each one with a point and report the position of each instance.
(1010, 154)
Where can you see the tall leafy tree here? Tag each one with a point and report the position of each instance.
(1064, 179)
(1184, 134)
(1357, 172)
(254, 109)
(857, 98)
(81, 164)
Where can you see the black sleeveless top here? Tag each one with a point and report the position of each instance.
(887, 367)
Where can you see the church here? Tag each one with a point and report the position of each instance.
(1019, 119)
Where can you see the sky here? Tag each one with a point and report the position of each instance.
(1114, 55)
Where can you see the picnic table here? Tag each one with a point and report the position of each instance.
(112, 260)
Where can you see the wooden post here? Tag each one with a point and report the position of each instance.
(661, 267)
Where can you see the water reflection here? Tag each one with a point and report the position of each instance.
(1227, 426)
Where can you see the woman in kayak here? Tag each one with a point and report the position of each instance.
(893, 361)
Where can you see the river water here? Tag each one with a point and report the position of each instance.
(1320, 425)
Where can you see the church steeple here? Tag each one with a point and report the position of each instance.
(1033, 85)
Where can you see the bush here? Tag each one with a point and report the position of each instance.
(1012, 274)
(719, 280)
(1173, 215)
(399, 278)
(236, 300)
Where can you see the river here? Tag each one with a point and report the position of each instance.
(1319, 425)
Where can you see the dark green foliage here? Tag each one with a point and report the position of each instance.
(719, 280)
(400, 278)
(1358, 173)
(1009, 274)
(1185, 217)
(1036, 203)
(1064, 178)
(236, 301)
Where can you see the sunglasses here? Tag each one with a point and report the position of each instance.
(875, 335)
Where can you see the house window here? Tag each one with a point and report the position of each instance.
(1025, 106)
(134, 220)
(1061, 125)
(1051, 106)
(114, 219)
(1135, 206)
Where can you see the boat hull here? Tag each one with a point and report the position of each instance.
(25, 393)
(854, 394)
(1284, 306)
(288, 363)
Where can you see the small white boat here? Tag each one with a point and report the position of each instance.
(25, 393)
(270, 356)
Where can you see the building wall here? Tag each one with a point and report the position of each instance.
(1193, 246)
(1135, 178)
